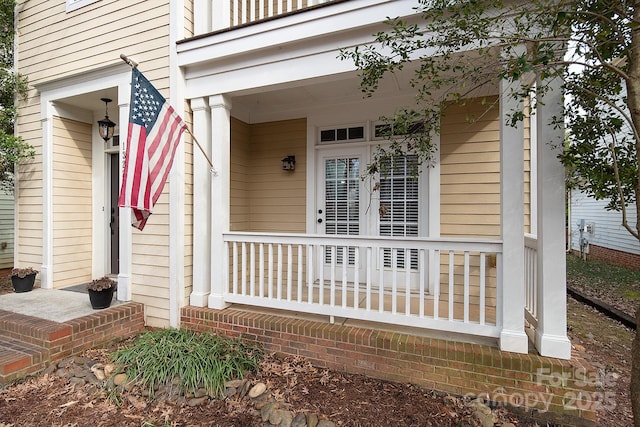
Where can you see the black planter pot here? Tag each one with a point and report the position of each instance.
(23, 284)
(101, 299)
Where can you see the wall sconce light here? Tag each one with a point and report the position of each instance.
(289, 163)
(106, 126)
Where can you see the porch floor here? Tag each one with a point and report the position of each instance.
(41, 327)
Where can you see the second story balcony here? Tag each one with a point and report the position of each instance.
(217, 15)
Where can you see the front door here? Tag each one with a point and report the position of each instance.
(114, 222)
(346, 208)
(339, 206)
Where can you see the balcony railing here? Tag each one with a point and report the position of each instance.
(231, 13)
(444, 284)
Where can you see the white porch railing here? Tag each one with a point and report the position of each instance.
(231, 13)
(531, 279)
(449, 285)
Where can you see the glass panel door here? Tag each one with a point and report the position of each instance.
(339, 206)
(399, 211)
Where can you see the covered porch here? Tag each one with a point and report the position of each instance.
(473, 247)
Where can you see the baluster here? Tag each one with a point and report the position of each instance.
(466, 287)
(483, 281)
(244, 268)
(451, 280)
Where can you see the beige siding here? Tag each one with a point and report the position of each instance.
(470, 170)
(6, 230)
(470, 188)
(277, 198)
(72, 212)
(188, 206)
(240, 175)
(52, 45)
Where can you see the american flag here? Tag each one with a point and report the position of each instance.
(154, 134)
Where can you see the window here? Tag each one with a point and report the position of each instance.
(77, 4)
(342, 134)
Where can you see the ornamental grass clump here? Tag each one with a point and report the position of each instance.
(198, 360)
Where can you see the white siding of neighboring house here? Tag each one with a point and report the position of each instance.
(608, 231)
(6, 230)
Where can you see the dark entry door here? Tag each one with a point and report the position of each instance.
(115, 213)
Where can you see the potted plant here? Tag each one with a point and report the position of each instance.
(23, 279)
(101, 292)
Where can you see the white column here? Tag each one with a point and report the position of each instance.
(512, 298)
(551, 333)
(201, 204)
(220, 196)
(126, 230)
(221, 14)
(46, 270)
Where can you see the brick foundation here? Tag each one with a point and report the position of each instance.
(612, 257)
(539, 383)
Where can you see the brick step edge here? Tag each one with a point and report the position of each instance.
(31, 329)
(19, 358)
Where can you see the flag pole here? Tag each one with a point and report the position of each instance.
(134, 64)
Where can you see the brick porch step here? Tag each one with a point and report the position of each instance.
(19, 358)
(29, 344)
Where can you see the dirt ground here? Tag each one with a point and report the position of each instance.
(345, 399)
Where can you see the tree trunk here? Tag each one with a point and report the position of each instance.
(633, 101)
(635, 373)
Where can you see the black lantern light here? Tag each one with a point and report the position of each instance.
(106, 126)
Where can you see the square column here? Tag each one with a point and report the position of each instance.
(201, 204)
(511, 293)
(551, 333)
(220, 196)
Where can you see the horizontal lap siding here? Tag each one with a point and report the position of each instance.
(240, 168)
(277, 198)
(54, 44)
(72, 225)
(470, 189)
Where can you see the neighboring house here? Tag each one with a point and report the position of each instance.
(473, 250)
(6, 230)
(597, 233)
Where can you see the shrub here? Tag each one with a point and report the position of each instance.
(196, 359)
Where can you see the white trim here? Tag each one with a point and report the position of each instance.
(220, 192)
(551, 333)
(77, 4)
(510, 293)
(46, 270)
(176, 179)
(126, 230)
(201, 205)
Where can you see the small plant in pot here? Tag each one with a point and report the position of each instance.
(101, 292)
(23, 279)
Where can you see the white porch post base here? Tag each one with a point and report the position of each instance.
(557, 346)
(124, 287)
(199, 299)
(46, 281)
(514, 341)
(217, 302)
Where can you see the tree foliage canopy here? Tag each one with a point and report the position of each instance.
(458, 48)
(12, 148)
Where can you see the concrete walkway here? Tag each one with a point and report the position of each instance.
(51, 304)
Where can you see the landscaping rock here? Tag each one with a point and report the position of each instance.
(257, 390)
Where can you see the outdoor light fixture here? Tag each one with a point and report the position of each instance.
(289, 163)
(106, 126)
